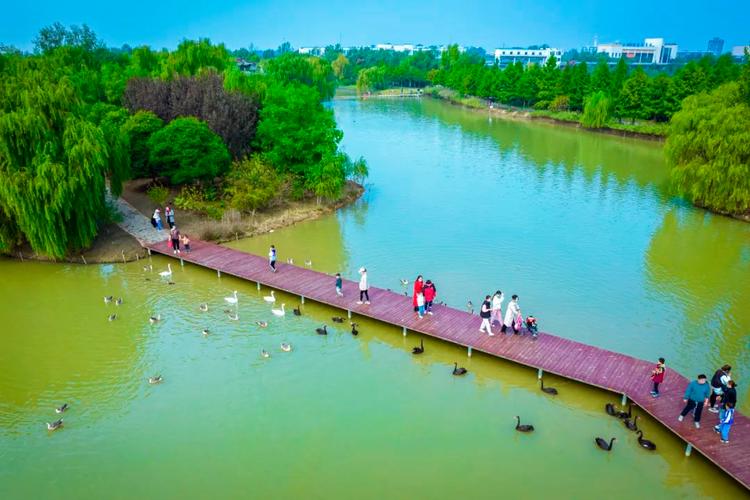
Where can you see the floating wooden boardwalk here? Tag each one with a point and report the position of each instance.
(590, 365)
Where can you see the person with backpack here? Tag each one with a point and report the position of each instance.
(657, 376)
(718, 386)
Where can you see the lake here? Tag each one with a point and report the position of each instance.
(581, 226)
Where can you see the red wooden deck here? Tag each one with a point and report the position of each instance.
(567, 358)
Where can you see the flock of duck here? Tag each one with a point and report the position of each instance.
(627, 418)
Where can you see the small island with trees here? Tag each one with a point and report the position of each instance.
(78, 121)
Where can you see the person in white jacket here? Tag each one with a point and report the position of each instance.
(511, 313)
(363, 286)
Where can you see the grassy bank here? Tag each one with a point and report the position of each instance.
(646, 130)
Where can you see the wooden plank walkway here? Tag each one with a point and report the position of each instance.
(563, 357)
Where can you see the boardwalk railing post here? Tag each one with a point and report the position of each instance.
(539, 374)
(349, 313)
(149, 252)
(258, 283)
(404, 330)
(182, 262)
(218, 273)
(688, 449)
(469, 351)
(302, 298)
(624, 400)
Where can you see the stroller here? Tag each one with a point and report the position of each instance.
(531, 326)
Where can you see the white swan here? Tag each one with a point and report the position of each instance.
(270, 298)
(279, 312)
(203, 307)
(154, 319)
(286, 346)
(232, 299)
(168, 272)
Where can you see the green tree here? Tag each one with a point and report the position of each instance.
(52, 192)
(596, 110)
(326, 179)
(311, 71)
(187, 150)
(601, 79)
(618, 78)
(708, 148)
(295, 131)
(251, 184)
(630, 103)
(340, 67)
(193, 57)
(139, 128)
(579, 86)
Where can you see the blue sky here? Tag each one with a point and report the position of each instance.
(490, 24)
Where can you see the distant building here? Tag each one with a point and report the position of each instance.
(716, 46)
(311, 51)
(653, 51)
(739, 50)
(506, 57)
(246, 66)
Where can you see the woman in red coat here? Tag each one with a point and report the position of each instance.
(418, 287)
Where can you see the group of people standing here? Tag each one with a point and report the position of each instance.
(175, 238)
(720, 394)
(423, 297)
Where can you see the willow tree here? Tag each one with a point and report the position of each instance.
(708, 148)
(53, 162)
(596, 110)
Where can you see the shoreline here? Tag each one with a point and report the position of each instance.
(115, 246)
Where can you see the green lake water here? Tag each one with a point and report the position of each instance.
(580, 225)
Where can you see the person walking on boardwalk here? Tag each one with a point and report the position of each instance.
(718, 386)
(418, 287)
(696, 395)
(174, 233)
(485, 312)
(272, 258)
(157, 219)
(512, 313)
(725, 422)
(497, 308)
(430, 292)
(363, 286)
(339, 285)
(169, 214)
(657, 377)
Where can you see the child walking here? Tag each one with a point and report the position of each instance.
(430, 292)
(727, 419)
(339, 285)
(657, 377)
(420, 305)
